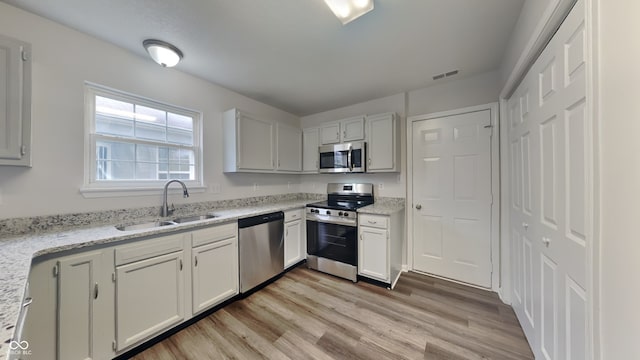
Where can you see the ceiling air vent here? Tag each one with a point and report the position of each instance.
(447, 74)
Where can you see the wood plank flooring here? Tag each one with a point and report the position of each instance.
(310, 315)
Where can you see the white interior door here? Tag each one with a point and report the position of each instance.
(550, 151)
(452, 197)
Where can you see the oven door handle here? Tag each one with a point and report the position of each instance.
(350, 158)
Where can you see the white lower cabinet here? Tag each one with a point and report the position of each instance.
(295, 249)
(71, 315)
(380, 245)
(373, 253)
(214, 266)
(149, 292)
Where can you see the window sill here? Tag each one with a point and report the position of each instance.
(106, 192)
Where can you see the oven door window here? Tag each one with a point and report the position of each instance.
(332, 241)
(356, 158)
(334, 160)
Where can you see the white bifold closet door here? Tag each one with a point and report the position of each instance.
(550, 156)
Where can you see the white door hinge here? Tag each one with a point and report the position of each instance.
(114, 346)
(25, 55)
(56, 270)
(113, 276)
(23, 150)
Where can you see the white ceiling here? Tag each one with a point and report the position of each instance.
(295, 54)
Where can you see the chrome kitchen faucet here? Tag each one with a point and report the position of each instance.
(164, 210)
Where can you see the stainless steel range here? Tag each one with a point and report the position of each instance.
(332, 229)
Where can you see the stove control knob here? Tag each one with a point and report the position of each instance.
(340, 213)
(314, 211)
(328, 212)
(346, 214)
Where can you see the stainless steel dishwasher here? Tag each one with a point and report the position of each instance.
(261, 246)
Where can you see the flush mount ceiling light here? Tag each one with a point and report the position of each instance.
(162, 52)
(349, 10)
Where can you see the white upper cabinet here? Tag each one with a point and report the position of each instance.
(253, 144)
(15, 102)
(289, 142)
(351, 129)
(330, 134)
(383, 144)
(248, 142)
(310, 156)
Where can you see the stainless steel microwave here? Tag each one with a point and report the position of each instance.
(343, 158)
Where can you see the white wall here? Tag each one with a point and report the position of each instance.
(62, 60)
(530, 16)
(475, 90)
(620, 178)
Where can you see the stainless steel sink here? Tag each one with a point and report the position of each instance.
(146, 225)
(187, 219)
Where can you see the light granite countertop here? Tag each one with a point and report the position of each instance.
(384, 206)
(72, 232)
(17, 253)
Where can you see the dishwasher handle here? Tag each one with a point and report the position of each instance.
(260, 219)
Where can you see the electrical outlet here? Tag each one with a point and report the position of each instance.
(381, 186)
(0, 196)
(289, 185)
(255, 186)
(398, 179)
(215, 188)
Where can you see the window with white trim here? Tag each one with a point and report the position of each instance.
(134, 142)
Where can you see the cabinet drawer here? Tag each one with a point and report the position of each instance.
(374, 221)
(148, 249)
(213, 234)
(293, 215)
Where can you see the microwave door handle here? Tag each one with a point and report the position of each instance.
(350, 158)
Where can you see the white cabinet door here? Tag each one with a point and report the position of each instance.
(289, 148)
(352, 129)
(293, 246)
(330, 134)
(15, 116)
(78, 293)
(149, 297)
(373, 253)
(310, 155)
(255, 143)
(215, 273)
(382, 146)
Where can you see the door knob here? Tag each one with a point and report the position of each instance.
(418, 206)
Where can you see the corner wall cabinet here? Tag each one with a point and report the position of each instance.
(383, 143)
(310, 155)
(380, 247)
(15, 102)
(289, 154)
(295, 240)
(253, 144)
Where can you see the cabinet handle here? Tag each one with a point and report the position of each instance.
(372, 222)
(525, 225)
(287, 232)
(95, 291)
(278, 163)
(546, 241)
(344, 134)
(180, 264)
(369, 161)
(418, 206)
(196, 260)
(27, 302)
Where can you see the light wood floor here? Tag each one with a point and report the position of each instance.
(310, 315)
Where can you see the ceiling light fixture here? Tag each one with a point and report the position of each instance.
(162, 52)
(349, 10)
